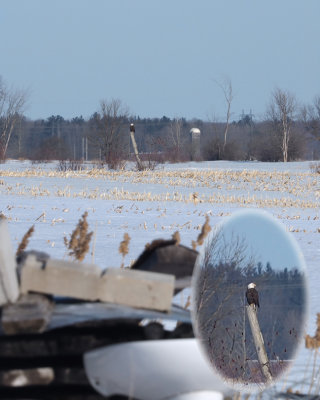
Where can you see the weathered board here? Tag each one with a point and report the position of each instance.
(137, 288)
(60, 278)
(84, 281)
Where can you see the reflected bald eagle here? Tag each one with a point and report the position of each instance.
(252, 295)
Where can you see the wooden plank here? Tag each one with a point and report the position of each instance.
(137, 288)
(84, 281)
(60, 278)
(30, 314)
(9, 288)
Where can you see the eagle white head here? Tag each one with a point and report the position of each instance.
(251, 285)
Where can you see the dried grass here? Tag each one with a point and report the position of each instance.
(206, 228)
(311, 382)
(188, 303)
(124, 247)
(301, 189)
(176, 237)
(314, 342)
(25, 241)
(79, 242)
(315, 167)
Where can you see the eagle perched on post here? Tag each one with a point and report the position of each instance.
(252, 295)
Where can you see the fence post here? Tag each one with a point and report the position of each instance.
(135, 147)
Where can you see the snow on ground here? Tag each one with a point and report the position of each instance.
(155, 204)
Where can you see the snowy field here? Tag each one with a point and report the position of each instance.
(154, 204)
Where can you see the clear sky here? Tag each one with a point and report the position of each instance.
(159, 57)
(266, 239)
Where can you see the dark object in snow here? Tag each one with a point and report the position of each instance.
(168, 257)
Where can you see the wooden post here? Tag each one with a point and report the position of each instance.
(259, 343)
(135, 147)
(9, 288)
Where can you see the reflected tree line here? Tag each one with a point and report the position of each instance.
(226, 269)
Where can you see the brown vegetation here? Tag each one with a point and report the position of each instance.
(314, 342)
(25, 240)
(202, 235)
(124, 247)
(79, 239)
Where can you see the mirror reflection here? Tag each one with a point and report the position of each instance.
(250, 300)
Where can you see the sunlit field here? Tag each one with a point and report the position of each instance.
(155, 204)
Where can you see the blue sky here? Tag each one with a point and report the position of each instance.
(159, 57)
(266, 239)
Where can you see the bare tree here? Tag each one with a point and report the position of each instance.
(219, 303)
(310, 115)
(12, 103)
(316, 104)
(226, 87)
(109, 128)
(176, 135)
(281, 111)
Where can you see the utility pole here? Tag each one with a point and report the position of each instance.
(259, 342)
(135, 147)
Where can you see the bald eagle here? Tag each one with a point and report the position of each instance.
(252, 295)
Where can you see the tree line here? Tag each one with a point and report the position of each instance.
(287, 132)
(224, 328)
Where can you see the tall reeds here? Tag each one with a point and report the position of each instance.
(79, 241)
